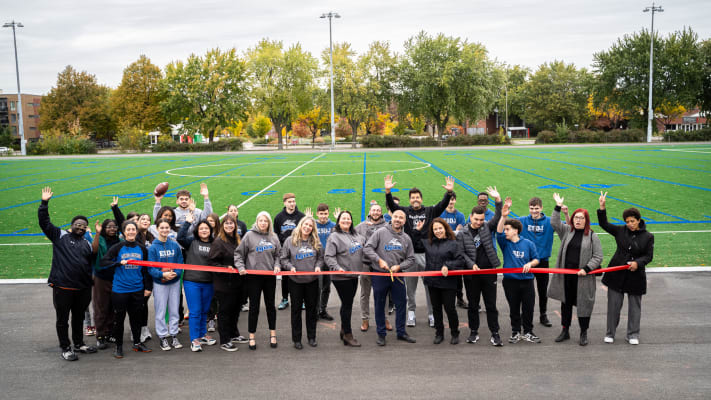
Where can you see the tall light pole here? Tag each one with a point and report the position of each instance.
(330, 16)
(20, 129)
(653, 9)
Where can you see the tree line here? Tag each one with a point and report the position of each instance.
(438, 80)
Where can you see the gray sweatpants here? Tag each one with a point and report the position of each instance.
(615, 300)
(365, 289)
(411, 285)
(167, 297)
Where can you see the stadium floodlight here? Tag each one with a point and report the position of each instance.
(20, 129)
(330, 16)
(653, 9)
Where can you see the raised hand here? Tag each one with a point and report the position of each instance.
(419, 225)
(602, 199)
(97, 227)
(449, 183)
(389, 184)
(336, 212)
(114, 201)
(558, 199)
(493, 193)
(308, 212)
(203, 190)
(46, 193)
(191, 204)
(506, 208)
(189, 217)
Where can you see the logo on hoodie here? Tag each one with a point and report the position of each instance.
(288, 225)
(393, 245)
(264, 245)
(355, 246)
(536, 228)
(305, 252)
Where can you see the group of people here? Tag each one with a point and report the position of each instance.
(405, 239)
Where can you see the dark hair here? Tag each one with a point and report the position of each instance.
(224, 235)
(160, 213)
(587, 220)
(105, 224)
(535, 201)
(415, 190)
(182, 192)
(396, 200)
(214, 217)
(127, 223)
(514, 223)
(478, 210)
(447, 230)
(160, 221)
(351, 230)
(133, 214)
(322, 207)
(482, 194)
(80, 217)
(454, 195)
(204, 222)
(631, 212)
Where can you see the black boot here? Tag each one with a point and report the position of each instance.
(583, 338)
(118, 353)
(564, 335)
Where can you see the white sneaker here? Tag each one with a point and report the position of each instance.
(634, 341)
(195, 345)
(609, 339)
(208, 340)
(211, 325)
(431, 318)
(145, 334)
(410, 318)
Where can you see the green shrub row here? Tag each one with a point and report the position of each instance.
(702, 135)
(61, 145)
(375, 141)
(222, 145)
(588, 136)
(477, 140)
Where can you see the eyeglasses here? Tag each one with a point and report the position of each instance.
(578, 217)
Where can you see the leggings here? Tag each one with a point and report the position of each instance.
(133, 304)
(256, 285)
(346, 291)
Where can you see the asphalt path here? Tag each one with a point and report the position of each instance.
(672, 360)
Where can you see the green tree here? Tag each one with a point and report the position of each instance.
(78, 104)
(557, 93)
(283, 82)
(206, 94)
(514, 79)
(442, 77)
(6, 139)
(378, 64)
(623, 72)
(259, 127)
(704, 95)
(136, 101)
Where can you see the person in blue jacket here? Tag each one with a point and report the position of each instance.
(537, 228)
(166, 285)
(518, 252)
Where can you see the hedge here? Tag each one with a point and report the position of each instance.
(373, 141)
(173, 147)
(61, 145)
(701, 135)
(477, 140)
(587, 136)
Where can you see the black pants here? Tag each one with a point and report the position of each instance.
(133, 304)
(285, 288)
(346, 291)
(444, 298)
(325, 284)
(521, 297)
(256, 285)
(213, 307)
(542, 286)
(571, 298)
(460, 287)
(144, 314)
(229, 306)
(68, 301)
(482, 286)
(304, 293)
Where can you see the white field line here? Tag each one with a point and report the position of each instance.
(25, 244)
(687, 151)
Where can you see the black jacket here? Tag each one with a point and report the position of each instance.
(222, 254)
(194, 254)
(469, 246)
(631, 246)
(439, 253)
(426, 214)
(284, 223)
(72, 256)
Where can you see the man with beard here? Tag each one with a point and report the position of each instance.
(284, 224)
(366, 228)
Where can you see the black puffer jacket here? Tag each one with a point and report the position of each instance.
(222, 254)
(439, 253)
(631, 246)
(469, 245)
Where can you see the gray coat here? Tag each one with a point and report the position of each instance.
(590, 256)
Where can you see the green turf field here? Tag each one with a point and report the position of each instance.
(671, 185)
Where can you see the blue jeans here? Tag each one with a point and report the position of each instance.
(381, 285)
(198, 296)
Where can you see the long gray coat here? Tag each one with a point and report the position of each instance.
(590, 256)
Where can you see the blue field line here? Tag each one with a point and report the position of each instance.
(99, 186)
(608, 170)
(20, 176)
(646, 163)
(578, 187)
(21, 230)
(457, 180)
(362, 199)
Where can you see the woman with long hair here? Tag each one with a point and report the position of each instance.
(106, 236)
(302, 252)
(259, 250)
(580, 249)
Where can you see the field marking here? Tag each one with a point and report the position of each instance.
(281, 179)
(426, 165)
(687, 151)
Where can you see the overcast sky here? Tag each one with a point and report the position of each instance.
(103, 37)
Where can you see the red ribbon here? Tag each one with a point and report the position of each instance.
(205, 268)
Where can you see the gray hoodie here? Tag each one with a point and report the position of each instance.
(258, 251)
(301, 256)
(393, 247)
(344, 251)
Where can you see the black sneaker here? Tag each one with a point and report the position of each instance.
(141, 348)
(325, 315)
(69, 355)
(438, 339)
(544, 321)
(84, 348)
(461, 303)
(454, 340)
(164, 345)
(515, 337)
(101, 343)
(473, 338)
(496, 340)
(229, 347)
(380, 341)
(118, 352)
(407, 338)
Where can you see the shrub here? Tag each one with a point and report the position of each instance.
(131, 138)
(373, 141)
(588, 136)
(547, 137)
(223, 145)
(700, 135)
(477, 140)
(61, 145)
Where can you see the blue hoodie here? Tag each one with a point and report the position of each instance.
(516, 255)
(169, 252)
(540, 232)
(127, 278)
(324, 230)
(454, 219)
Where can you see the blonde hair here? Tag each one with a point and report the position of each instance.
(314, 241)
(270, 229)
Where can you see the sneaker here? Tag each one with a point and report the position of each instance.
(634, 341)
(461, 303)
(391, 309)
(496, 340)
(141, 348)
(325, 315)
(284, 304)
(176, 343)
(86, 349)
(515, 337)
(164, 345)
(211, 325)
(410, 318)
(145, 334)
(531, 337)
(431, 319)
(303, 306)
(473, 338)
(195, 345)
(101, 343)
(609, 339)
(245, 307)
(90, 331)
(118, 352)
(208, 340)
(229, 347)
(239, 339)
(69, 355)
